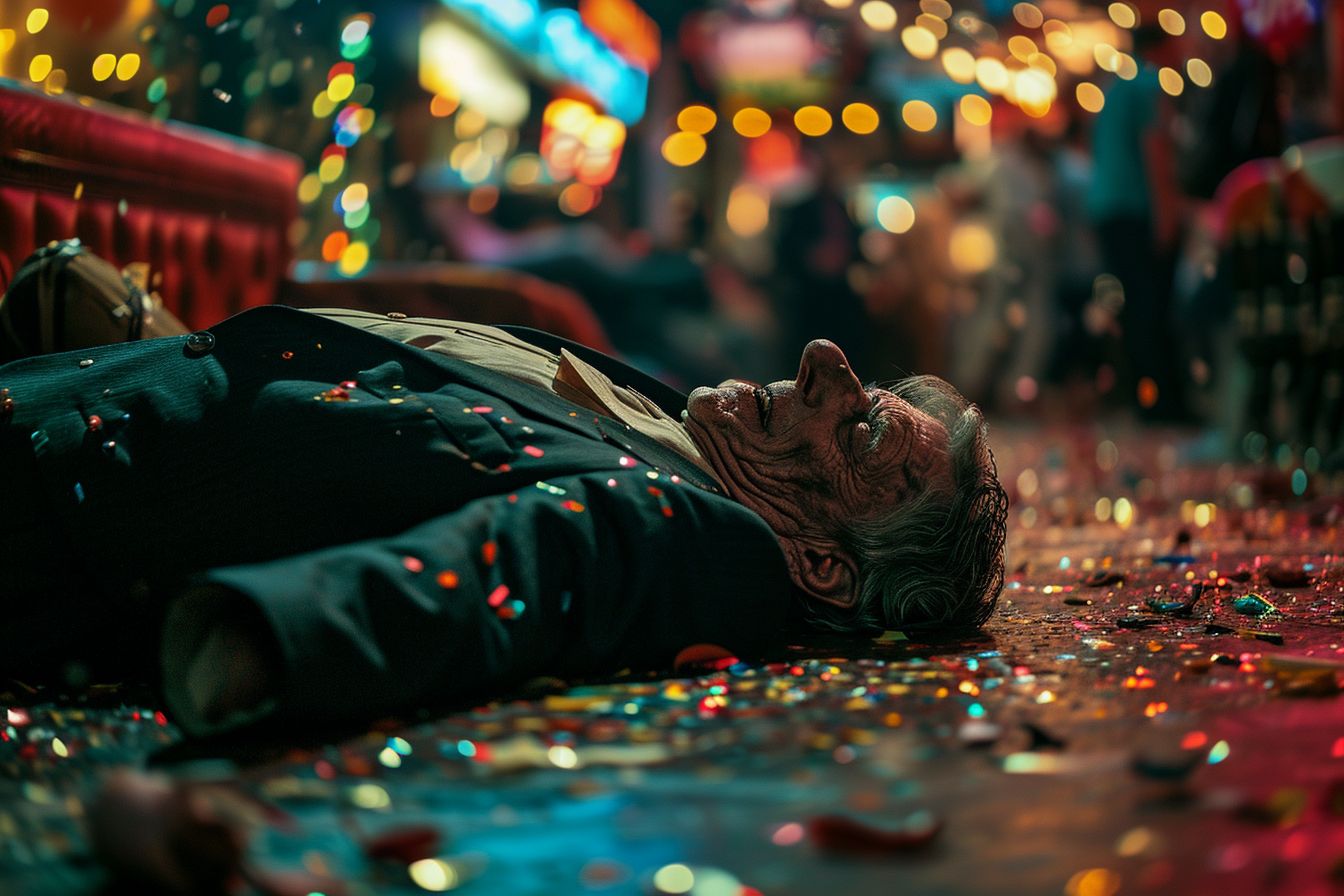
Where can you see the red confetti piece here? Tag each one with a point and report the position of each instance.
(611, 482)
(286, 355)
(95, 422)
(667, 510)
(160, 718)
(340, 68)
(481, 409)
(488, 552)
(506, 613)
(324, 769)
(348, 384)
(413, 564)
(447, 579)
(627, 461)
(655, 491)
(334, 149)
(573, 505)
(533, 450)
(503, 468)
(217, 16)
(513, 499)
(20, 717)
(498, 596)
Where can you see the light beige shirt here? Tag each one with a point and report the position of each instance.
(565, 374)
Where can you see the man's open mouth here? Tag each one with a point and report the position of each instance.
(763, 406)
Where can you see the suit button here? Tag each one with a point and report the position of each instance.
(396, 315)
(201, 342)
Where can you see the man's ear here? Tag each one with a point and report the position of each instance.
(822, 569)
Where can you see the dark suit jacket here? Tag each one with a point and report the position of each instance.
(444, 534)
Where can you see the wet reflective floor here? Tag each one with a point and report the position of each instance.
(1154, 708)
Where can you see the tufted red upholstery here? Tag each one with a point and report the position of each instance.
(210, 214)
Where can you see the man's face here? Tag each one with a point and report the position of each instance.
(822, 448)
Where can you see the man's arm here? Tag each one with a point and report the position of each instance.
(576, 576)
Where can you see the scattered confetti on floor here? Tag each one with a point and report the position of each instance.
(1153, 709)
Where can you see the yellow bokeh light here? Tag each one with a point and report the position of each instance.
(1214, 25)
(323, 105)
(991, 74)
(1171, 81)
(971, 248)
(1044, 63)
(859, 118)
(434, 875)
(751, 122)
(1022, 47)
(354, 197)
(748, 210)
(1090, 96)
(7, 39)
(37, 20)
(674, 879)
(697, 119)
(39, 68)
(919, 42)
(470, 122)
(330, 168)
(353, 260)
(103, 66)
(1102, 509)
(878, 15)
(1123, 512)
(522, 170)
(310, 187)
(341, 86)
(441, 106)
(127, 66)
(1123, 15)
(976, 109)
(959, 65)
(684, 148)
(1126, 66)
(56, 81)
(812, 121)
(1027, 15)
(1093, 881)
(934, 25)
(896, 214)
(579, 199)
(1107, 56)
(1058, 36)
(1034, 91)
(1172, 22)
(605, 133)
(1200, 73)
(919, 115)
(1203, 515)
(940, 8)
(839, 4)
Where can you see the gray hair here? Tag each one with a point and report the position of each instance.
(931, 563)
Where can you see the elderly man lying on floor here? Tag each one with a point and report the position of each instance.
(340, 516)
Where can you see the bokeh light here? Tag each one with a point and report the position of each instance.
(1200, 73)
(1093, 882)
(895, 214)
(1171, 22)
(310, 187)
(39, 68)
(1027, 15)
(859, 118)
(103, 66)
(1171, 81)
(1090, 96)
(878, 15)
(812, 121)
(37, 20)
(674, 879)
(976, 109)
(354, 197)
(751, 122)
(919, 42)
(440, 106)
(684, 148)
(991, 75)
(434, 875)
(959, 64)
(334, 245)
(330, 168)
(933, 24)
(127, 66)
(919, 115)
(1021, 47)
(341, 87)
(1044, 63)
(354, 258)
(579, 199)
(1214, 25)
(697, 119)
(1123, 15)
(971, 247)
(940, 8)
(748, 210)
(218, 15)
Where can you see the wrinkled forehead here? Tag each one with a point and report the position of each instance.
(922, 446)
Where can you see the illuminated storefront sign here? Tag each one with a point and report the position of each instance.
(558, 46)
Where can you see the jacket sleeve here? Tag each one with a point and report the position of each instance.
(582, 575)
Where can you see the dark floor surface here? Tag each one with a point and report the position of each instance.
(1092, 742)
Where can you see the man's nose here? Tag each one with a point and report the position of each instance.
(824, 374)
